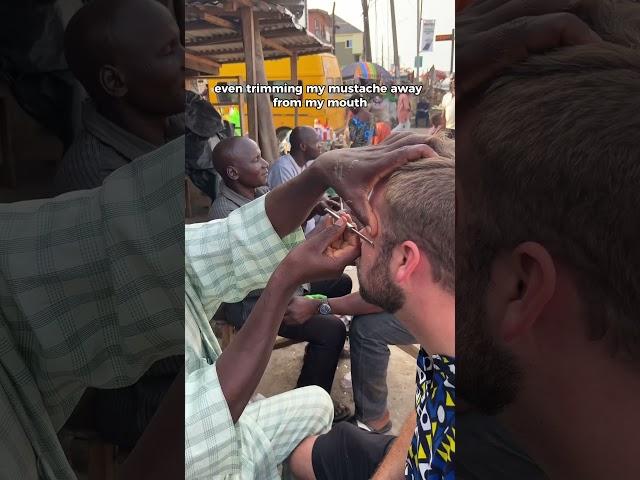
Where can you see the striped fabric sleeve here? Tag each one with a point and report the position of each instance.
(91, 294)
(226, 259)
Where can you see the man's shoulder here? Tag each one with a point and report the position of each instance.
(87, 162)
(281, 170)
(260, 191)
(282, 161)
(221, 208)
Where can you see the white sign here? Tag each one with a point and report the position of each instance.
(428, 35)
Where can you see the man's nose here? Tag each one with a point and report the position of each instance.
(265, 164)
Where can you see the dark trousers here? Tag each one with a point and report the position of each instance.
(348, 453)
(326, 334)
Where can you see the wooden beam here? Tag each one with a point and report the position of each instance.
(294, 81)
(226, 39)
(249, 40)
(215, 40)
(220, 22)
(275, 45)
(210, 9)
(268, 140)
(201, 63)
(244, 3)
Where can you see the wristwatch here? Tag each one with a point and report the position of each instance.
(324, 308)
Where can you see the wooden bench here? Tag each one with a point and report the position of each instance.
(87, 451)
(225, 332)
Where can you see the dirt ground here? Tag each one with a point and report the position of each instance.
(285, 364)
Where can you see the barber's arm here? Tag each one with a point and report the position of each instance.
(392, 467)
(241, 366)
(351, 172)
(301, 309)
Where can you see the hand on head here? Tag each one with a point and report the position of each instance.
(494, 34)
(354, 172)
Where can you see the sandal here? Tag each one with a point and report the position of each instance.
(340, 412)
(385, 429)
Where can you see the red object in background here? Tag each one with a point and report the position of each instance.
(462, 4)
(383, 130)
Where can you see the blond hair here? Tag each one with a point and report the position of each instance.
(420, 206)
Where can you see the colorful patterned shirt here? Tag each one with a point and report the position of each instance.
(432, 451)
(360, 132)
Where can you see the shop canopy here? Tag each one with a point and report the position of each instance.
(213, 33)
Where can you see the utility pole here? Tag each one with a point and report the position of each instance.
(396, 59)
(453, 48)
(419, 12)
(367, 37)
(333, 27)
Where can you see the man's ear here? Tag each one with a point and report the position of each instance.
(112, 81)
(532, 282)
(404, 261)
(232, 173)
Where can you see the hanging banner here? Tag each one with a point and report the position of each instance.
(428, 35)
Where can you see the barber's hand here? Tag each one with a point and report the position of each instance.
(326, 202)
(300, 310)
(324, 254)
(354, 172)
(492, 35)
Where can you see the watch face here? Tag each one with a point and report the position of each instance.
(325, 309)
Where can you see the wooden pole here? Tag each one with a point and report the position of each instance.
(394, 35)
(294, 81)
(266, 130)
(367, 35)
(453, 46)
(419, 15)
(333, 27)
(249, 41)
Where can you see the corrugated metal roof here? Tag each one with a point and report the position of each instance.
(342, 26)
(215, 33)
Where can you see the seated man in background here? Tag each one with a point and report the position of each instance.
(305, 147)
(372, 330)
(133, 73)
(410, 273)
(239, 162)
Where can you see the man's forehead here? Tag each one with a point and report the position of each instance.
(245, 147)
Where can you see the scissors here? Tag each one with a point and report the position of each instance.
(351, 227)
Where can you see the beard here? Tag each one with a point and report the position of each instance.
(487, 374)
(377, 288)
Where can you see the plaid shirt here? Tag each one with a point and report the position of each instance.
(224, 260)
(91, 294)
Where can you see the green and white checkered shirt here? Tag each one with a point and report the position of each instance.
(91, 294)
(224, 260)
